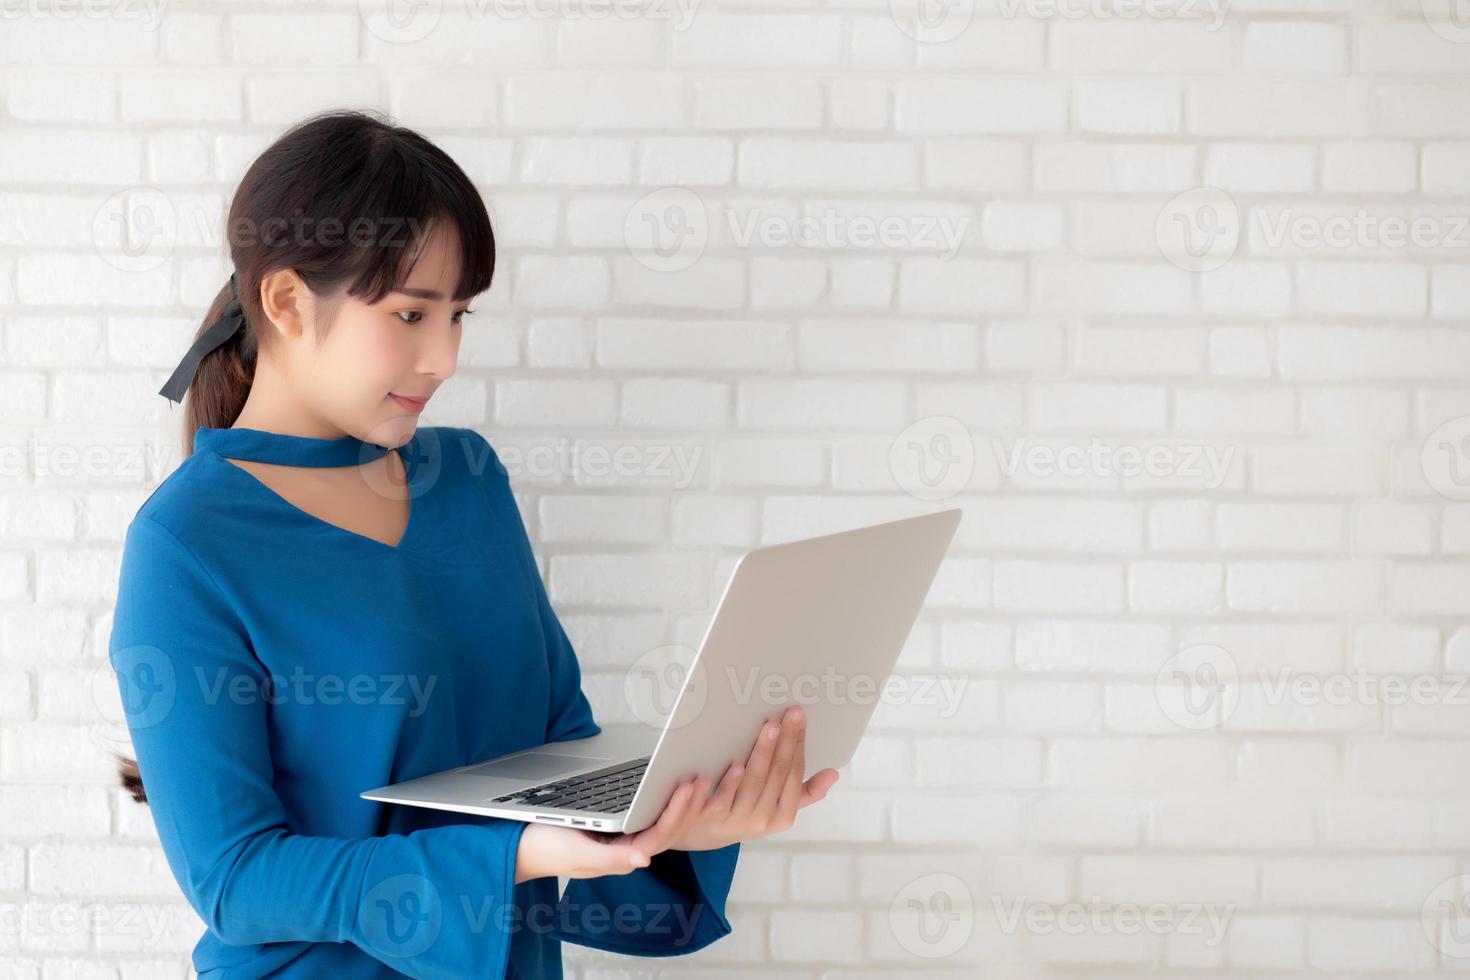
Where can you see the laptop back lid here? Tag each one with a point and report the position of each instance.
(818, 622)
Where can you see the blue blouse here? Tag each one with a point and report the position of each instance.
(272, 666)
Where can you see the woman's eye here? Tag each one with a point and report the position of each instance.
(419, 316)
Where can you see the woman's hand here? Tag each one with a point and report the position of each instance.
(754, 800)
(760, 798)
(571, 853)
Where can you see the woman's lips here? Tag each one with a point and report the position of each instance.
(410, 404)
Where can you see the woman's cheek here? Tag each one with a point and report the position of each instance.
(391, 352)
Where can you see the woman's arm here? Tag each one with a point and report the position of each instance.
(178, 647)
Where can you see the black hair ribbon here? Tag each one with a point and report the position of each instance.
(231, 320)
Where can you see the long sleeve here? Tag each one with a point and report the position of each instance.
(196, 703)
(676, 905)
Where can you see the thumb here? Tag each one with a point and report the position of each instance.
(816, 788)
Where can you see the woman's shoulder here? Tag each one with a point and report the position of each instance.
(190, 500)
(459, 452)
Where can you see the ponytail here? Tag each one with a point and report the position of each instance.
(222, 381)
(132, 780)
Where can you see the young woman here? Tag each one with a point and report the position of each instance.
(324, 597)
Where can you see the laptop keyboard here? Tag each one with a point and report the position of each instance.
(607, 790)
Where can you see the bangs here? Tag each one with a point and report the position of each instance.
(391, 204)
(388, 268)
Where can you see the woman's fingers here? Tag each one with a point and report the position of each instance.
(693, 812)
(756, 768)
(656, 838)
(789, 799)
(793, 736)
(765, 793)
(816, 788)
(724, 798)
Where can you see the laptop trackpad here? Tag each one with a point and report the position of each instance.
(535, 765)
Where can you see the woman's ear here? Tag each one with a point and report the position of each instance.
(287, 304)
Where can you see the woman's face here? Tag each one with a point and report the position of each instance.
(381, 362)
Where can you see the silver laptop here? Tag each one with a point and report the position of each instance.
(818, 622)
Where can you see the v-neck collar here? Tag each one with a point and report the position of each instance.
(291, 450)
(262, 446)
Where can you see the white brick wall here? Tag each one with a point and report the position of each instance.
(1204, 615)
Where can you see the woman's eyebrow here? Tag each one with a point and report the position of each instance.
(433, 294)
